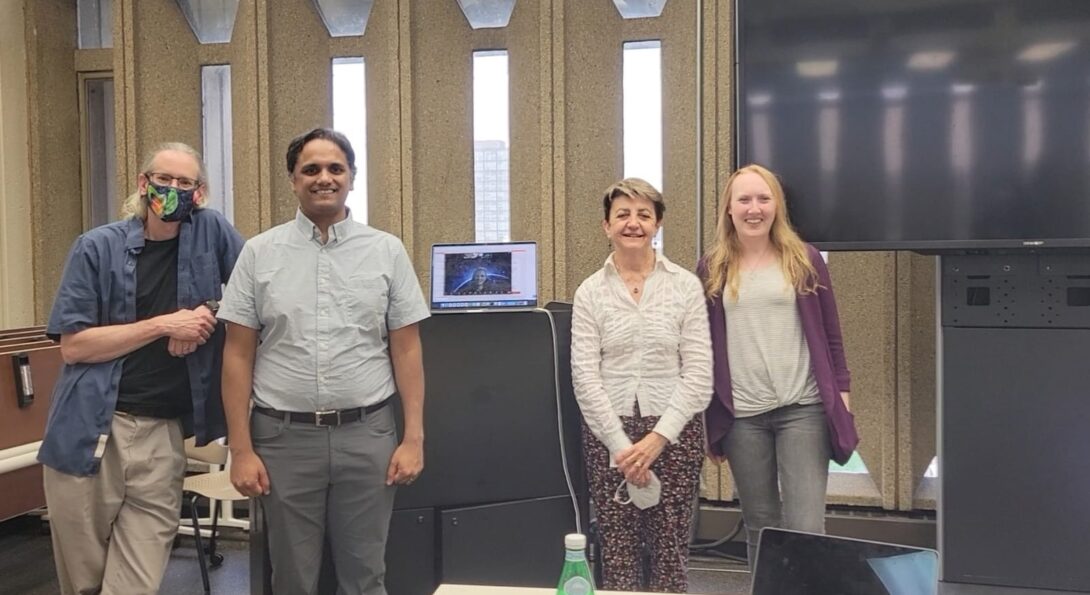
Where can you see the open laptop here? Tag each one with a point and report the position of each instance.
(483, 277)
(798, 563)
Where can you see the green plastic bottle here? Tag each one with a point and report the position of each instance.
(575, 578)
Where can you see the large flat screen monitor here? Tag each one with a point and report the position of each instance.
(483, 276)
(921, 125)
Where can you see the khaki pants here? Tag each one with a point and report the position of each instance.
(112, 532)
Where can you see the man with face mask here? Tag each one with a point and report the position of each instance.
(135, 317)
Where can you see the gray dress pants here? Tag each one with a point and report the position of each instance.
(784, 452)
(327, 483)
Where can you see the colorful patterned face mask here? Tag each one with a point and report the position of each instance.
(170, 203)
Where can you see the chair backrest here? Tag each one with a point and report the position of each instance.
(212, 453)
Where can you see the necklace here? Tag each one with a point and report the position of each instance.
(635, 284)
(756, 264)
(635, 281)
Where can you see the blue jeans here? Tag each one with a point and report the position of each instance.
(784, 450)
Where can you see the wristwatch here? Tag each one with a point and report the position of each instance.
(212, 305)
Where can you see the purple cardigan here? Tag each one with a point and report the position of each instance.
(821, 326)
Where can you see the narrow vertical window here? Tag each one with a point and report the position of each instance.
(828, 150)
(642, 98)
(1033, 126)
(95, 23)
(893, 153)
(491, 149)
(961, 158)
(760, 127)
(350, 118)
(99, 151)
(218, 156)
(212, 21)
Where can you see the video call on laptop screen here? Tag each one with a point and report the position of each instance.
(483, 276)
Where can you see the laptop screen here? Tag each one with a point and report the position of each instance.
(796, 562)
(483, 276)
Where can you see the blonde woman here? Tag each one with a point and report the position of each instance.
(781, 405)
(641, 366)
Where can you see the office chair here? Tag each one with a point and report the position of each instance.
(214, 485)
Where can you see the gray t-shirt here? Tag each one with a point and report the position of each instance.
(766, 348)
(323, 311)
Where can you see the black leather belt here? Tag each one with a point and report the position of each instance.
(329, 419)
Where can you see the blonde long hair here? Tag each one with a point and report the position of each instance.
(136, 206)
(721, 259)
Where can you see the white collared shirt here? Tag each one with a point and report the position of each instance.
(656, 352)
(324, 312)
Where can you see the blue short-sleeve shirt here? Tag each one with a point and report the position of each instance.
(98, 288)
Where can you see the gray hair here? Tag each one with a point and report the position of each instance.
(136, 207)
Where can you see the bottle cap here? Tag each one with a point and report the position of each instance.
(575, 541)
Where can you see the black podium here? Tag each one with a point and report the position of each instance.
(493, 504)
(1014, 420)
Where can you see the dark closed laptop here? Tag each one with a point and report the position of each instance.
(798, 563)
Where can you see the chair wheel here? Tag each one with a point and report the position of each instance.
(216, 560)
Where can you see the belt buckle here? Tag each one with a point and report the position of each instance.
(319, 418)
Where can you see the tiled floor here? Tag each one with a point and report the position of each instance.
(712, 575)
(26, 566)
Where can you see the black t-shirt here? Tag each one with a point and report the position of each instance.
(153, 382)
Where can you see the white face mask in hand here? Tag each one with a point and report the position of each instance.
(642, 498)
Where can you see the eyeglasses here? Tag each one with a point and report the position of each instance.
(180, 182)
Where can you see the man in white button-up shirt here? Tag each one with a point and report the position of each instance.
(642, 370)
(322, 331)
